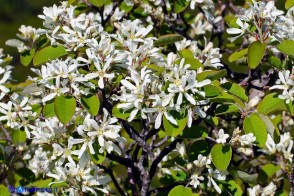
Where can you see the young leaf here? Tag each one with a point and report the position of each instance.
(286, 47)
(198, 147)
(267, 171)
(221, 156)
(97, 3)
(237, 55)
(91, 103)
(247, 178)
(235, 89)
(47, 54)
(271, 103)
(256, 52)
(27, 57)
(168, 39)
(254, 124)
(175, 130)
(289, 4)
(180, 190)
(119, 113)
(64, 107)
(180, 5)
(48, 110)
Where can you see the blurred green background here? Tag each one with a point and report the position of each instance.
(14, 13)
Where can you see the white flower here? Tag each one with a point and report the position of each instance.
(195, 180)
(247, 139)
(106, 133)
(244, 26)
(217, 175)
(101, 73)
(286, 84)
(160, 107)
(269, 190)
(202, 161)
(256, 190)
(56, 90)
(181, 148)
(222, 137)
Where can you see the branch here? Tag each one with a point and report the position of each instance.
(135, 136)
(110, 173)
(121, 160)
(162, 154)
(6, 133)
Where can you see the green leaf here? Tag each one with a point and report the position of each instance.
(180, 190)
(186, 53)
(286, 47)
(27, 57)
(26, 173)
(119, 113)
(64, 107)
(97, 3)
(267, 171)
(212, 75)
(237, 55)
(271, 103)
(247, 178)
(97, 158)
(254, 124)
(212, 90)
(235, 89)
(18, 136)
(226, 109)
(233, 188)
(289, 4)
(157, 69)
(48, 110)
(276, 62)
(195, 132)
(256, 52)
(271, 129)
(91, 103)
(4, 190)
(168, 39)
(175, 130)
(221, 156)
(198, 147)
(47, 54)
(180, 5)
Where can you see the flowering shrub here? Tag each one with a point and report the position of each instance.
(154, 97)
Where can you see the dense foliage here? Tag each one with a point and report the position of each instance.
(152, 97)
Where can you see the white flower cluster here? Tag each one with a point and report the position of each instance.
(284, 147)
(285, 83)
(262, 16)
(265, 191)
(198, 169)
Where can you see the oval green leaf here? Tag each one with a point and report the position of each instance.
(64, 107)
(256, 52)
(47, 54)
(168, 39)
(180, 190)
(27, 57)
(286, 47)
(221, 156)
(175, 130)
(91, 103)
(237, 55)
(271, 103)
(254, 124)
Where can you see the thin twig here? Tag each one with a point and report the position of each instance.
(110, 173)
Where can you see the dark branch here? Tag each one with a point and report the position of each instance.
(110, 173)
